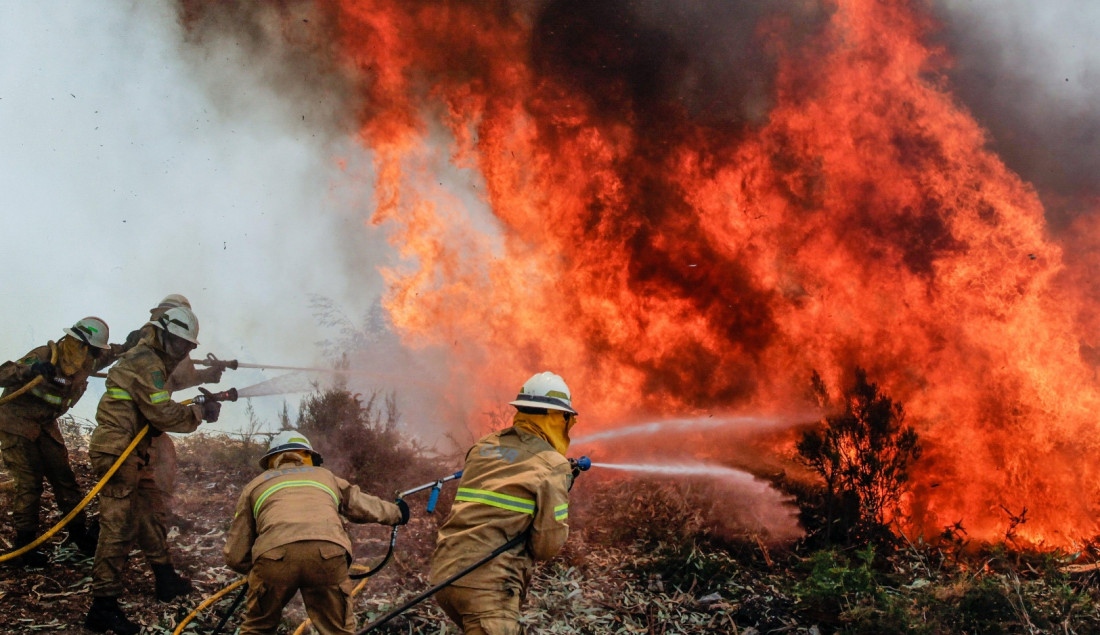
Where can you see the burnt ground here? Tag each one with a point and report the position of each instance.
(638, 560)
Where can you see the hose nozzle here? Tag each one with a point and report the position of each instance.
(583, 464)
(225, 395)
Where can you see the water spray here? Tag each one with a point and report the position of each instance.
(687, 425)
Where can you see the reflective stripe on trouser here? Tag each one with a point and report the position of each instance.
(127, 505)
(317, 568)
(482, 611)
(29, 462)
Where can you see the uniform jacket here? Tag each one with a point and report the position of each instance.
(137, 396)
(512, 480)
(36, 411)
(295, 503)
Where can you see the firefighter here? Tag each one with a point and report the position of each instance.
(31, 442)
(515, 480)
(137, 396)
(162, 451)
(287, 536)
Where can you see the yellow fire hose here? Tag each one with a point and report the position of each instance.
(236, 584)
(80, 506)
(34, 382)
(207, 602)
(87, 499)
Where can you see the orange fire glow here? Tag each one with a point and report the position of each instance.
(667, 264)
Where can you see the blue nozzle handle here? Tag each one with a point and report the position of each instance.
(583, 464)
(433, 498)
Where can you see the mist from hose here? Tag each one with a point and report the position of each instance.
(741, 502)
(281, 385)
(694, 424)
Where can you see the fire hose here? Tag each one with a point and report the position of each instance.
(228, 395)
(435, 486)
(34, 382)
(582, 464)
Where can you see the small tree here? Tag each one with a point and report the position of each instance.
(863, 454)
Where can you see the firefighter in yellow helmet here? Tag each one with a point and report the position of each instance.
(515, 480)
(137, 396)
(32, 445)
(287, 536)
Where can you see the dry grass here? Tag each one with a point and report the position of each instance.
(640, 559)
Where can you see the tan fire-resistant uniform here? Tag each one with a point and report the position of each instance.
(32, 445)
(163, 463)
(136, 396)
(513, 481)
(287, 536)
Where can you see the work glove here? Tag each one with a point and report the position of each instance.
(404, 507)
(210, 410)
(211, 375)
(44, 369)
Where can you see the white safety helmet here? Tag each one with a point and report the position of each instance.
(92, 331)
(545, 390)
(289, 440)
(181, 322)
(172, 300)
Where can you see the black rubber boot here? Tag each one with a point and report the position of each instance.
(84, 537)
(34, 557)
(169, 583)
(105, 615)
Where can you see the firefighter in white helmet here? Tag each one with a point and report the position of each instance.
(32, 445)
(287, 536)
(515, 480)
(163, 464)
(137, 396)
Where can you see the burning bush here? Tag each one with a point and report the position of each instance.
(863, 454)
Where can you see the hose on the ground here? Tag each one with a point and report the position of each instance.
(207, 602)
(435, 589)
(82, 504)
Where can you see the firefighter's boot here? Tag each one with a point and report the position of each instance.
(33, 558)
(169, 583)
(105, 615)
(85, 537)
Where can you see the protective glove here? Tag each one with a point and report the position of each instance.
(404, 507)
(210, 410)
(44, 369)
(211, 375)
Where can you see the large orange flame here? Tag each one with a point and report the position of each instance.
(665, 264)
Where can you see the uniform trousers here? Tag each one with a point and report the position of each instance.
(316, 568)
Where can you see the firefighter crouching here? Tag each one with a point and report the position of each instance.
(33, 448)
(515, 480)
(287, 536)
(136, 396)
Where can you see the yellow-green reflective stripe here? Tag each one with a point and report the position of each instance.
(160, 397)
(118, 393)
(561, 512)
(45, 396)
(286, 484)
(503, 501)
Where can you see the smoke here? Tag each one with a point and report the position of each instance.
(683, 234)
(1030, 73)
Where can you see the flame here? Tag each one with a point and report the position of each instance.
(666, 263)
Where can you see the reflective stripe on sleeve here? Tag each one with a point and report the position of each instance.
(561, 512)
(160, 397)
(286, 484)
(118, 393)
(503, 501)
(45, 396)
